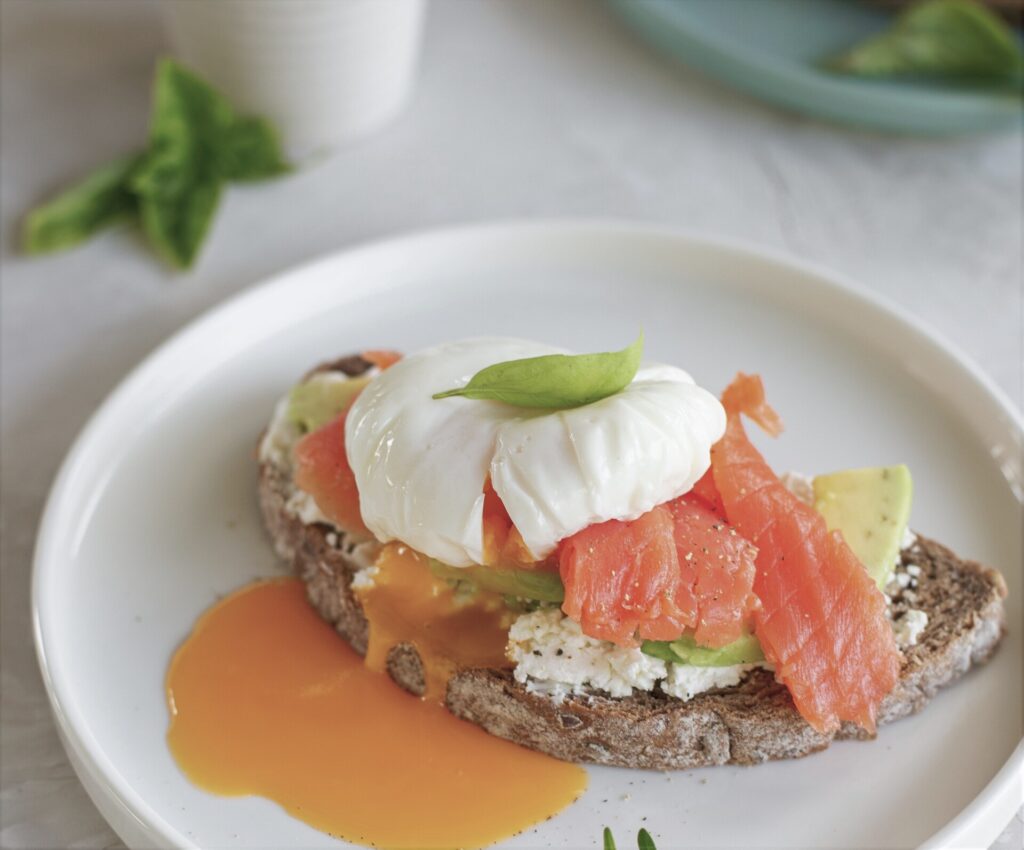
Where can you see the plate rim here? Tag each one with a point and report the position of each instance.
(128, 813)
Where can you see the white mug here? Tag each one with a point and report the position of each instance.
(326, 72)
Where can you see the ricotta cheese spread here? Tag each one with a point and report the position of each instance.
(908, 540)
(300, 504)
(908, 628)
(281, 435)
(554, 657)
(908, 623)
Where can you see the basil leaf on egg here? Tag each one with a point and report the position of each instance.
(554, 381)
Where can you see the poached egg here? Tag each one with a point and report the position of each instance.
(421, 463)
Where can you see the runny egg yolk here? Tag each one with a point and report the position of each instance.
(266, 699)
(407, 604)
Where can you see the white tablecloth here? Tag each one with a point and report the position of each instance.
(524, 109)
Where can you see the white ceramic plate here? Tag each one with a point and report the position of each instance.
(153, 516)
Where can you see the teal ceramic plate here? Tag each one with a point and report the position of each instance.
(771, 49)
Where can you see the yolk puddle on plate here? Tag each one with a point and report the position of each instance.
(266, 699)
(407, 604)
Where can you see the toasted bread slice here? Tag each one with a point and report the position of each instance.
(748, 723)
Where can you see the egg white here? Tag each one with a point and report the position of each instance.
(421, 463)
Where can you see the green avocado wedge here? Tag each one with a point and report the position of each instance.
(870, 507)
(744, 650)
(315, 402)
(536, 585)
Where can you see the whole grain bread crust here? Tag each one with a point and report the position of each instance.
(749, 723)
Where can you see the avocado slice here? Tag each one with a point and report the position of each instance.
(871, 508)
(523, 584)
(684, 650)
(315, 402)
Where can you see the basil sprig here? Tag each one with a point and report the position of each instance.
(196, 144)
(940, 38)
(554, 381)
(100, 200)
(643, 840)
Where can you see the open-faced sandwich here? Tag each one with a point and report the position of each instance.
(588, 556)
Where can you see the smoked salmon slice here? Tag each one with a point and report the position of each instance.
(323, 471)
(622, 580)
(707, 493)
(822, 621)
(381, 358)
(678, 569)
(720, 567)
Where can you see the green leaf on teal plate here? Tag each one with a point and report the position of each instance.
(940, 38)
(554, 381)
